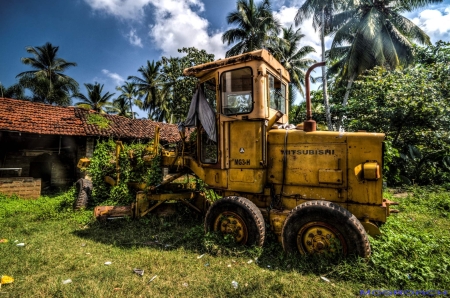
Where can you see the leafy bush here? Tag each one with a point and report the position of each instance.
(132, 169)
(411, 106)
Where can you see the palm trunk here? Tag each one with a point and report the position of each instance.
(324, 75)
(345, 101)
(347, 91)
(131, 109)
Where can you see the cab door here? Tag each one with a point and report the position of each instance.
(209, 151)
(244, 138)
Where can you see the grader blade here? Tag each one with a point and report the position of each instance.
(108, 212)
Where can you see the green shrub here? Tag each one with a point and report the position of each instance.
(133, 169)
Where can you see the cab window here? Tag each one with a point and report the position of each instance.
(277, 94)
(208, 150)
(237, 95)
(209, 88)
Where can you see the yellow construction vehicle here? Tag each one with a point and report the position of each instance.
(318, 191)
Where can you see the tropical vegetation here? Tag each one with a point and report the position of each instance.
(377, 35)
(287, 50)
(256, 27)
(378, 78)
(148, 85)
(47, 82)
(95, 99)
(129, 96)
(322, 13)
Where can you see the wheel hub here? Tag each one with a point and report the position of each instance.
(318, 238)
(230, 223)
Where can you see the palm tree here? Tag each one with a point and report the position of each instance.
(173, 102)
(255, 26)
(14, 91)
(95, 100)
(121, 107)
(322, 12)
(148, 84)
(163, 112)
(47, 81)
(58, 92)
(374, 33)
(286, 50)
(130, 93)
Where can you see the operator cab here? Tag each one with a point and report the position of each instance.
(244, 92)
(249, 86)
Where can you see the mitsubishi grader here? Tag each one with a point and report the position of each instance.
(318, 191)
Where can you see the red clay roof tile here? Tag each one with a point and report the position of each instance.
(31, 117)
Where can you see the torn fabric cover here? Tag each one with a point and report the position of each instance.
(201, 110)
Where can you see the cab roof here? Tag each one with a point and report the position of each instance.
(258, 55)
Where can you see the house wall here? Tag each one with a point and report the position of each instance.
(49, 157)
(27, 188)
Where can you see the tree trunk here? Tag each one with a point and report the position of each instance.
(347, 91)
(324, 75)
(131, 109)
(345, 101)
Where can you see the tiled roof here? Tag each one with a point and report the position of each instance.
(30, 117)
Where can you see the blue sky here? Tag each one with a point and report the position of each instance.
(111, 39)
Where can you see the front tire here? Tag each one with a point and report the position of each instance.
(84, 190)
(322, 227)
(238, 217)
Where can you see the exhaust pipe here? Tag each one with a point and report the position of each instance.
(274, 119)
(309, 124)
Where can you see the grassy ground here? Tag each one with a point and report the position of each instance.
(412, 254)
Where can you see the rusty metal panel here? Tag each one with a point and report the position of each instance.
(242, 175)
(304, 161)
(247, 180)
(276, 219)
(330, 176)
(371, 212)
(296, 194)
(246, 144)
(216, 177)
(364, 148)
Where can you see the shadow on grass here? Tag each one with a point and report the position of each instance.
(184, 230)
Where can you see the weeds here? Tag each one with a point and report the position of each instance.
(45, 208)
(412, 253)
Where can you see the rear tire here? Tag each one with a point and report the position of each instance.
(239, 217)
(84, 191)
(322, 227)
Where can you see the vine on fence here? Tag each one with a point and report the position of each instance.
(133, 168)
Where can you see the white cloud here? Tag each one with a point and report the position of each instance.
(435, 23)
(134, 39)
(124, 9)
(286, 15)
(118, 80)
(178, 25)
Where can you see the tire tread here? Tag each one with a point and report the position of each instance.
(84, 188)
(247, 205)
(363, 251)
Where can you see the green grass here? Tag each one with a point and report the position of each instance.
(413, 253)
